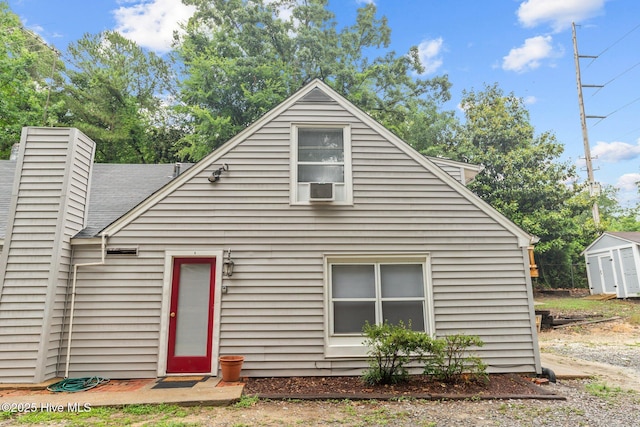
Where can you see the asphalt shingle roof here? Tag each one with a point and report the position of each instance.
(633, 236)
(115, 190)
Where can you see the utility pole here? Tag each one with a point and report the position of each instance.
(594, 187)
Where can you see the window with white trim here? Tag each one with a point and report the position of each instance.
(321, 166)
(375, 290)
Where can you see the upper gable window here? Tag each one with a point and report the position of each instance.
(321, 167)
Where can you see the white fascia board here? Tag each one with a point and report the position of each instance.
(205, 162)
(524, 238)
(628, 242)
(86, 241)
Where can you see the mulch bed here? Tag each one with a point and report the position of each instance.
(506, 386)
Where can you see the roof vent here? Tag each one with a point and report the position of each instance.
(122, 251)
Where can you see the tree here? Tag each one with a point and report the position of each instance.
(30, 71)
(117, 94)
(243, 57)
(614, 216)
(523, 179)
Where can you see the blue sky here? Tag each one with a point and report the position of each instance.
(523, 45)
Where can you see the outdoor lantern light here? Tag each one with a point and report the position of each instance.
(227, 266)
(215, 175)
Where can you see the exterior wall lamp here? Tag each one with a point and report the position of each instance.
(227, 266)
(215, 175)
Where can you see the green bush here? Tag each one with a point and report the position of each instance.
(390, 349)
(451, 361)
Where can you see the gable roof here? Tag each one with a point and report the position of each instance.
(118, 188)
(628, 236)
(631, 236)
(319, 92)
(468, 170)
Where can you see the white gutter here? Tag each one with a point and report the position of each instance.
(103, 250)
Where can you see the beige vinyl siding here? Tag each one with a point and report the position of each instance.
(36, 263)
(274, 311)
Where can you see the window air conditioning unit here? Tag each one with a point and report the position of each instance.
(321, 192)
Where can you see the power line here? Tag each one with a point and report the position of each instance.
(614, 43)
(616, 77)
(615, 111)
(628, 133)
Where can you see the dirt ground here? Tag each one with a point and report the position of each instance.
(407, 412)
(607, 337)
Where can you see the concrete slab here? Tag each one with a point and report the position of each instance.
(206, 393)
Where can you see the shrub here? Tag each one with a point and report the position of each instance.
(390, 349)
(451, 360)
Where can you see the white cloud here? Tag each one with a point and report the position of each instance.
(558, 13)
(530, 100)
(528, 56)
(429, 53)
(627, 185)
(365, 1)
(628, 182)
(611, 152)
(151, 23)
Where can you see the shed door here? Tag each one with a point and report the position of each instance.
(191, 315)
(607, 275)
(630, 272)
(594, 275)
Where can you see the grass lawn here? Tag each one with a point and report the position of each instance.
(570, 306)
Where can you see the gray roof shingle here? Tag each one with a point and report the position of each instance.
(115, 190)
(633, 236)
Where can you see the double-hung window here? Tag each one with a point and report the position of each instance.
(321, 164)
(375, 290)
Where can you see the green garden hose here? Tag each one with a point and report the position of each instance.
(72, 385)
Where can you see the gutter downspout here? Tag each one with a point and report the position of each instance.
(103, 250)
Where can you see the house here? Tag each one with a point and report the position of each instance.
(277, 246)
(613, 264)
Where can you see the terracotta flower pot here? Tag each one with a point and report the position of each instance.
(231, 367)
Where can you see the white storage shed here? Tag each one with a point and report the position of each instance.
(613, 263)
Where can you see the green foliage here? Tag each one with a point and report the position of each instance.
(246, 401)
(626, 309)
(451, 361)
(244, 57)
(391, 348)
(163, 408)
(604, 391)
(615, 217)
(116, 95)
(29, 70)
(524, 179)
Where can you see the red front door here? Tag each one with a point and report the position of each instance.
(191, 315)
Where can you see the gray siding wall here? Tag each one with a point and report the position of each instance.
(273, 312)
(455, 172)
(47, 208)
(607, 242)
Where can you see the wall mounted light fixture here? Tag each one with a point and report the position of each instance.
(215, 175)
(227, 266)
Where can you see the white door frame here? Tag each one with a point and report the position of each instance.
(163, 346)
